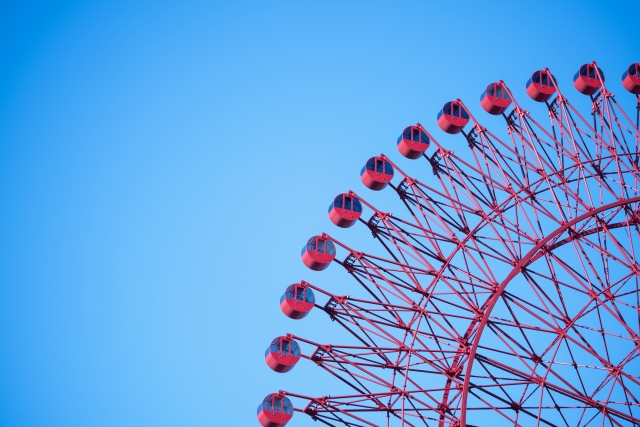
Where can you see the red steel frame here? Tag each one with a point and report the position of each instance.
(509, 294)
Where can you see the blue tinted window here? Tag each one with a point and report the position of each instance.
(584, 70)
(499, 91)
(320, 245)
(575, 77)
(309, 296)
(424, 138)
(337, 202)
(357, 206)
(439, 114)
(311, 244)
(465, 115)
(331, 249)
(416, 135)
(267, 403)
(277, 404)
(601, 74)
(289, 291)
(528, 83)
(633, 70)
(407, 133)
(288, 408)
(371, 164)
(347, 203)
(536, 77)
(490, 89)
(379, 165)
(506, 95)
(545, 79)
(387, 168)
(447, 108)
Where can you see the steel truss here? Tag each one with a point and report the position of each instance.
(509, 289)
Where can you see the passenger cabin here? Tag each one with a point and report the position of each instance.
(631, 79)
(541, 86)
(318, 253)
(453, 117)
(495, 99)
(413, 142)
(376, 173)
(345, 210)
(589, 79)
(275, 411)
(297, 301)
(283, 354)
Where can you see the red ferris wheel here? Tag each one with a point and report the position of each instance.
(508, 292)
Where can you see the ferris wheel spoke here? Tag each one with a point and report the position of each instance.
(548, 291)
(508, 285)
(559, 391)
(511, 344)
(533, 146)
(493, 165)
(573, 361)
(609, 305)
(566, 120)
(485, 404)
(462, 187)
(628, 396)
(381, 330)
(434, 212)
(335, 408)
(414, 239)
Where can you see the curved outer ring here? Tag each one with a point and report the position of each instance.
(463, 355)
(514, 272)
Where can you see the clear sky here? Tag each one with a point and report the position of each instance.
(162, 163)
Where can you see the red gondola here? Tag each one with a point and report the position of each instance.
(587, 80)
(345, 210)
(318, 253)
(275, 411)
(376, 173)
(413, 142)
(495, 99)
(282, 355)
(297, 301)
(453, 117)
(631, 79)
(541, 86)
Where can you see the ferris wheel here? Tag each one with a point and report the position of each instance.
(507, 292)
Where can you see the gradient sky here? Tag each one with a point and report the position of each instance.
(162, 163)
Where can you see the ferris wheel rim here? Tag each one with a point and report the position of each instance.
(514, 272)
(490, 217)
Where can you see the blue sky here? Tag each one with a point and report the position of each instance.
(162, 163)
